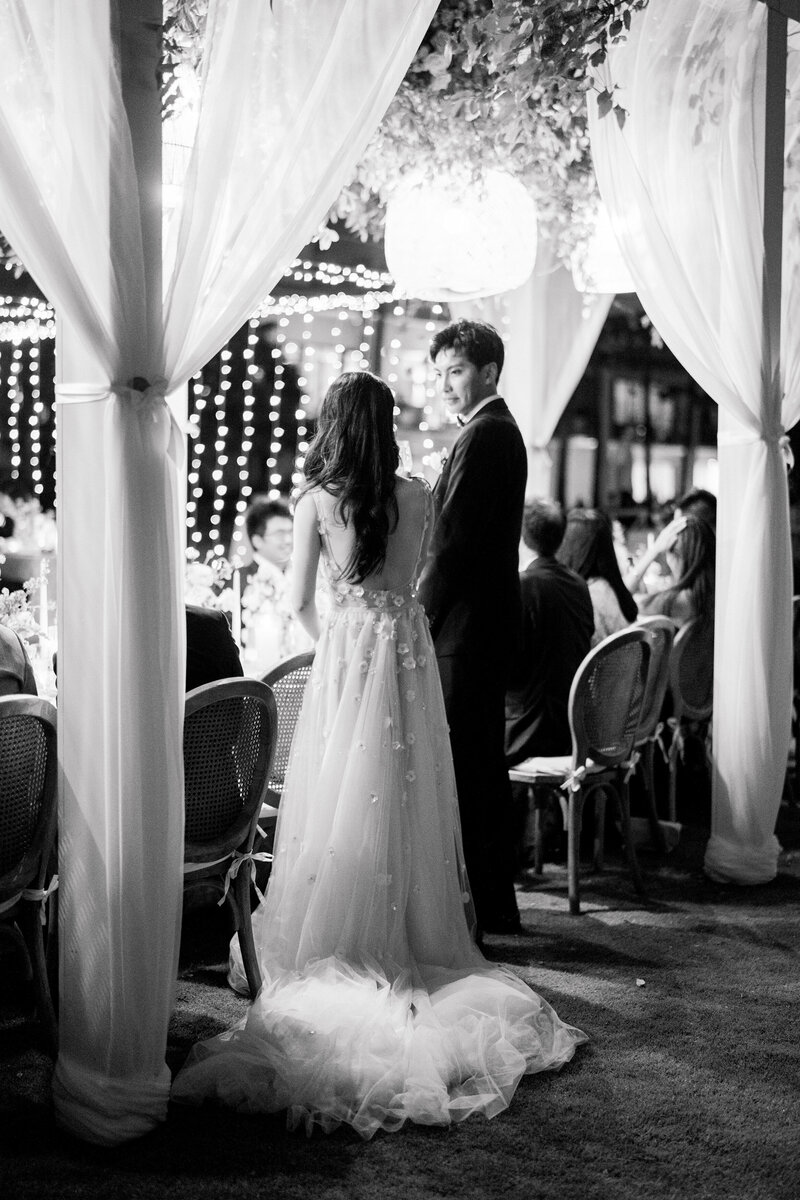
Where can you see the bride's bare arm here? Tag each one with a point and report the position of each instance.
(305, 563)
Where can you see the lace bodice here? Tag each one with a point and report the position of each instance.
(345, 594)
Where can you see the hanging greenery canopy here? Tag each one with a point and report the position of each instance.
(498, 84)
(495, 84)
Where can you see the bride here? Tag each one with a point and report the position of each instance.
(376, 1007)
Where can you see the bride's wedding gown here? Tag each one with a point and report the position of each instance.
(376, 1007)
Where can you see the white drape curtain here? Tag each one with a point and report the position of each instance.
(289, 95)
(550, 330)
(683, 181)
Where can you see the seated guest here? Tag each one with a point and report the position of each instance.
(588, 548)
(698, 503)
(16, 672)
(557, 627)
(689, 545)
(211, 652)
(557, 630)
(270, 629)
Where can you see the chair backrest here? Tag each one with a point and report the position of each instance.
(288, 682)
(228, 743)
(27, 791)
(661, 631)
(605, 700)
(691, 671)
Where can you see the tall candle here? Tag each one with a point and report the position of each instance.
(236, 615)
(43, 622)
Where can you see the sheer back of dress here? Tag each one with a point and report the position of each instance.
(406, 547)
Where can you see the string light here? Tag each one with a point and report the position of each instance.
(197, 401)
(15, 404)
(220, 430)
(34, 420)
(246, 446)
(23, 319)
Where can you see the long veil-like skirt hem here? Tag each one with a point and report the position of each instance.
(377, 1007)
(336, 1044)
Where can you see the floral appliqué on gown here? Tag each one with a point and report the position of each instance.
(376, 1007)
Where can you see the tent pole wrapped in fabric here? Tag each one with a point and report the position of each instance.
(693, 179)
(286, 98)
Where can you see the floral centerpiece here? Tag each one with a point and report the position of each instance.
(34, 530)
(26, 611)
(17, 611)
(25, 555)
(207, 582)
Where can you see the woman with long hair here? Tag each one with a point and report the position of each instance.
(689, 545)
(376, 1006)
(588, 548)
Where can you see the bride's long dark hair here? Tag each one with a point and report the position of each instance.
(354, 457)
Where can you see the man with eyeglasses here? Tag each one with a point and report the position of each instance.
(270, 630)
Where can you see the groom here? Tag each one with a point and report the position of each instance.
(470, 590)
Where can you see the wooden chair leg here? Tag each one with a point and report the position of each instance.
(51, 949)
(573, 851)
(656, 832)
(673, 779)
(598, 848)
(623, 797)
(34, 931)
(563, 804)
(244, 928)
(538, 843)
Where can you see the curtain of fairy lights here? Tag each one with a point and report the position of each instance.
(27, 416)
(251, 410)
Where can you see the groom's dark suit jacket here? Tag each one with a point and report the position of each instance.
(470, 584)
(470, 590)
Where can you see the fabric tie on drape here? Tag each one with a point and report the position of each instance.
(683, 181)
(289, 95)
(550, 330)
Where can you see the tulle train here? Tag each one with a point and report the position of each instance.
(334, 1044)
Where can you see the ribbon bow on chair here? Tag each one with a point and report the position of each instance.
(676, 745)
(252, 856)
(42, 894)
(630, 766)
(575, 778)
(657, 738)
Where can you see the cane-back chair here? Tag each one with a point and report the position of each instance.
(27, 838)
(661, 631)
(691, 684)
(228, 744)
(605, 704)
(288, 682)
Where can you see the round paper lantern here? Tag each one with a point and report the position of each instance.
(456, 238)
(601, 267)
